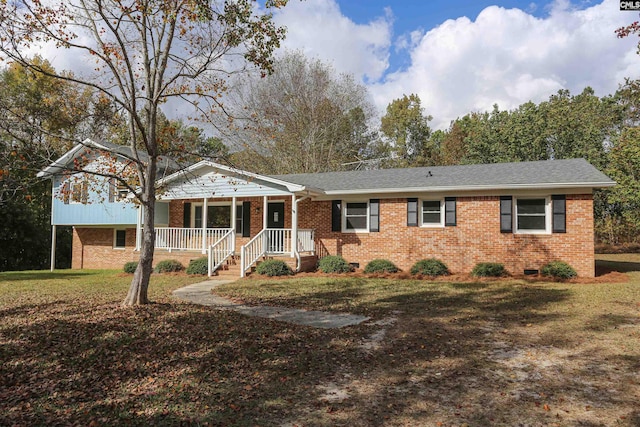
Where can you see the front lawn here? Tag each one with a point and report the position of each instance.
(443, 354)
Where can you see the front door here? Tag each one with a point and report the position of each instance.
(275, 220)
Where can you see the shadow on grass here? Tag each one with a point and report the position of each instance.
(605, 267)
(179, 364)
(15, 276)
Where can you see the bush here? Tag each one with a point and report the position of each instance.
(430, 267)
(488, 269)
(558, 270)
(199, 266)
(273, 267)
(130, 267)
(380, 266)
(333, 264)
(168, 266)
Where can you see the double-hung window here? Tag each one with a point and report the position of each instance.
(76, 190)
(532, 215)
(356, 216)
(120, 239)
(432, 213)
(218, 216)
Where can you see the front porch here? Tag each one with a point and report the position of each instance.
(222, 244)
(226, 213)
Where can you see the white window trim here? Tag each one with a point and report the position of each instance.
(431, 224)
(547, 215)
(194, 204)
(115, 239)
(78, 182)
(344, 217)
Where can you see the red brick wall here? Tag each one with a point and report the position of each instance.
(476, 238)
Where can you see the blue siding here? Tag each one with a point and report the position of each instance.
(99, 211)
(96, 212)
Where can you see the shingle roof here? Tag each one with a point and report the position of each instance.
(543, 174)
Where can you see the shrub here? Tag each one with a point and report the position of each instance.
(198, 266)
(430, 267)
(273, 267)
(488, 269)
(168, 266)
(333, 264)
(558, 270)
(130, 267)
(380, 266)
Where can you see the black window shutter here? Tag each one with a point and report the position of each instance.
(506, 214)
(374, 215)
(450, 211)
(186, 216)
(246, 219)
(412, 212)
(336, 215)
(559, 207)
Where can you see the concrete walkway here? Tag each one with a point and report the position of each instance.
(201, 293)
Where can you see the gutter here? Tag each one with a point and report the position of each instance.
(473, 188)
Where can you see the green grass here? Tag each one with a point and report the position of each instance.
(434, 353)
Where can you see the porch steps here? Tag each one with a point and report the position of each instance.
(231, 267)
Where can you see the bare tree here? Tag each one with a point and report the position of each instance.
(144, 54)
(305, 117)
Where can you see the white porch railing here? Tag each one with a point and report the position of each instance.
(221, 250)
(274, 241)
(306, 241)
(189, 239)
(252, 251)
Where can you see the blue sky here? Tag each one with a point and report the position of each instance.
(411, 15)
(462, 56)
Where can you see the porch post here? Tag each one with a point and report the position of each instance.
(53, 247)
(265, 214)
(294, 225)
(204, 225)
(139, 228)
(233, 223)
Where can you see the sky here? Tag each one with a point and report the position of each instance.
(462, 56)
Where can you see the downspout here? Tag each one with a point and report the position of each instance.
(294, 244)
(53, 226)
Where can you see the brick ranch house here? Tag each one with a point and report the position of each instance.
(520, 214)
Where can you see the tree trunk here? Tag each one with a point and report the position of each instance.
(137, 294)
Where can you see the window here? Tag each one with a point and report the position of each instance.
(117, 190)
(120, 239)
(219, 216)
(532, 215)
(432, 213)
(76, 190)
(356, 216)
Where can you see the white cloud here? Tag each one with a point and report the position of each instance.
(508, 57)
(319, 29)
